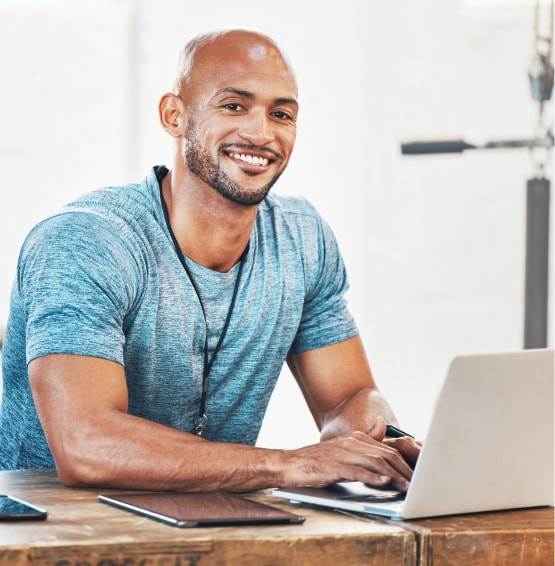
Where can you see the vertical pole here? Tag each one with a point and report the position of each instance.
(537, 263)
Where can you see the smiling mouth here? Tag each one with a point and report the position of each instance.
(250, 159)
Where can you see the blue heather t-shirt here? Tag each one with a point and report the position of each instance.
(102, 278)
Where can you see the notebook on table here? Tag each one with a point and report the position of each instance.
(490, 445)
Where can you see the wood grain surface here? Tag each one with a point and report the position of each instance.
(80, 531)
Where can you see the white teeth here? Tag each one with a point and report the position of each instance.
(251, 159)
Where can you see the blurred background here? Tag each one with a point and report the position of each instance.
(434, 244)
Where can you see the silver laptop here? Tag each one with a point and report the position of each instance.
(490, 445)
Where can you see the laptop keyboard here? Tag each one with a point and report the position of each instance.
(385, 497)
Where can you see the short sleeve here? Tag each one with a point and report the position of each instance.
(76, 288)
(325, 318)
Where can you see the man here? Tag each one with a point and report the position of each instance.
(149, 322)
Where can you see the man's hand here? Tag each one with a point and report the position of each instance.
(82, 403)
(405, 445)
(353, 457)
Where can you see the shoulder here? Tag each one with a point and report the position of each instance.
(290, 206)
(119, 204)
(293, 215)
(106, 215)
(117, 226)
(297, 217)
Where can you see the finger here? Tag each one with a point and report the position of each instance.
(410, 450)
(377, 431)
(395, 468)
(377, 480)
(377, 458)
(407, 447)
(389, 450)
(360, 473)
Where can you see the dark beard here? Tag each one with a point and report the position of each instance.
(207, 170)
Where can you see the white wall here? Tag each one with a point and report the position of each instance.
(434, 245)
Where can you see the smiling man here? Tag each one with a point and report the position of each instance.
(149, 323)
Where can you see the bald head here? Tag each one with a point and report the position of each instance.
(233, 114)
(202, 54)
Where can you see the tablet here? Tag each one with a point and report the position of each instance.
(202, 509)
(15, 509)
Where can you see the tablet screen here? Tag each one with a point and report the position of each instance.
(203, 509)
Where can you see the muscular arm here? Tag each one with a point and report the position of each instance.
(339, 388)
(82, 405)
(342, 395)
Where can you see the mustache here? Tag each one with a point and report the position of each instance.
(253, 147)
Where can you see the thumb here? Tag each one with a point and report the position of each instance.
(377, 430)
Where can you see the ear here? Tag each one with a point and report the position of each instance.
(171, 110)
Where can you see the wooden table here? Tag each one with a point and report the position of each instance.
(80, 531)
(520, 537)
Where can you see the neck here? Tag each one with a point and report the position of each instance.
(209, 229)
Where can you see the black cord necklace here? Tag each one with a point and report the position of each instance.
(201, 420)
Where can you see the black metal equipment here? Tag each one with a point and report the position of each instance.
(540, 74)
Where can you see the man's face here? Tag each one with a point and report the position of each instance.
(241, 120)
(207, 169)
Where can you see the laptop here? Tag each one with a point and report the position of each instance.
(490, 445)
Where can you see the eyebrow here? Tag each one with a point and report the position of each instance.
(251, 96)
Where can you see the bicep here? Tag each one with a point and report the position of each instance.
(331, 375)
(72, 392)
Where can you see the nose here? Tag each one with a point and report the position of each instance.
(256, 128)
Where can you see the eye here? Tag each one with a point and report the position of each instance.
(280, 115)
(233, 106)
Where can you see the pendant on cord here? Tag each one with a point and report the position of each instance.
(201, 420)
(200, 423)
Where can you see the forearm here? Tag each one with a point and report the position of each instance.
(359, 412)
(172, 460)
(96, 442)
(132, 453)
